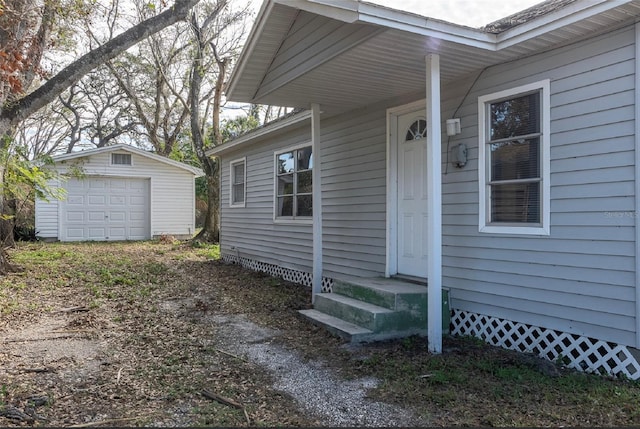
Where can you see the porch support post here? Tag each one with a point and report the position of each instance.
(316, 172)
(434, 205)
(636, 214)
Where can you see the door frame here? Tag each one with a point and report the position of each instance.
(391, 266)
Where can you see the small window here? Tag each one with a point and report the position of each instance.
(514, 160)
(238, 181)
(121, 158)
(294, 187)
(417, 130)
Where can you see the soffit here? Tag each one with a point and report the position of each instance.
(382, 62)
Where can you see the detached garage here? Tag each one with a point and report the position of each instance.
(124, 193)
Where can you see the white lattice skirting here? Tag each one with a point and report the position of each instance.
(575, 351)
(287, 274)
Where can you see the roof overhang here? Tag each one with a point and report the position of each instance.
(270, 129)
(127, 148)
(349, 54)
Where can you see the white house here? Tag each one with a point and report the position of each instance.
(122, 193)
(499, 166)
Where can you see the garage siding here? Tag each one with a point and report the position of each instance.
(47, 216)
(172, 193)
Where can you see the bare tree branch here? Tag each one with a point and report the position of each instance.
(71, 74)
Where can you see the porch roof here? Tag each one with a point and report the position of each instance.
(348, 54)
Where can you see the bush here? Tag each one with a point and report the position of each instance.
(25, 233)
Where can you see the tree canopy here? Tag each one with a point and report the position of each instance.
(25, 34)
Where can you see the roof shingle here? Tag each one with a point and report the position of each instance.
(526, 15)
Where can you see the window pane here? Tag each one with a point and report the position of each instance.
(285, 184)
(238, 173)
(121, 158)
(518, 203)
(305, 159)
(517, 159)
(417, 130)
(285, 163)
(304, 183)
(305, 204)
(285, 206)
(238, 193)
(515, 117)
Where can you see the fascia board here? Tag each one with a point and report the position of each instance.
(412, 23)
(343, 10)
(248, 138)
(552, 21)
(87, 152)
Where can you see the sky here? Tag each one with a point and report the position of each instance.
(473, 13)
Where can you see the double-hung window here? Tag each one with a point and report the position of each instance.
(514, 160)
(294, 187)
(237, 193)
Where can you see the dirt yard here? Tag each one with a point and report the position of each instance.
(160, 334)
(148, 334)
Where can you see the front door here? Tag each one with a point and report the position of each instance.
(412, 194)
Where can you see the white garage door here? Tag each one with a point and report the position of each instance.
(106, 208)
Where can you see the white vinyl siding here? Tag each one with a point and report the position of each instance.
(238, 182)
(517, 202)
(47, 215)
(172, 191)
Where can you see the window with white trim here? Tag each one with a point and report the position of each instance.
(121, 159)
(238, 182)
(514, 160)
(294, 187)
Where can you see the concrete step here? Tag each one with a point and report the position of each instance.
(339, 327)
(369, 316)
(395, 294)
(388, 293)
(354, 333)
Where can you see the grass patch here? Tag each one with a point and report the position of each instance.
(482, 385)
(210, 251)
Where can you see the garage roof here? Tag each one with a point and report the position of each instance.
(127, 148)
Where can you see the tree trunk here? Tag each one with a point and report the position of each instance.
(211, 229)
(6, 236)
(5, 263)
